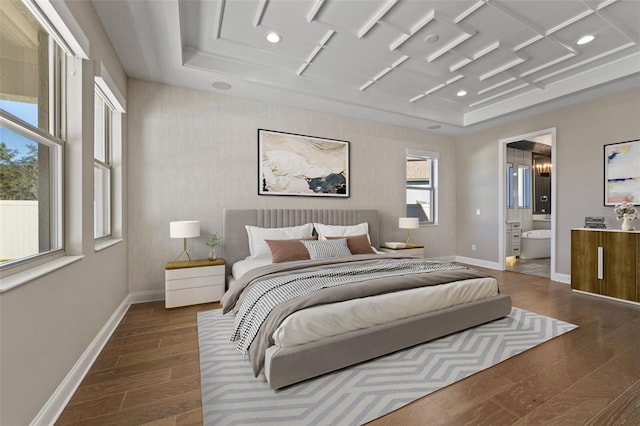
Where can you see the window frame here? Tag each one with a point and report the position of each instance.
(54, 139)
(431, 186)
(104, 214)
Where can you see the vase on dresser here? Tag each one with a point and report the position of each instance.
(212, 253)
(627, 225)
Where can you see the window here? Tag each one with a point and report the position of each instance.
(32, 111)
(102, 167)
(421, 186)
(524, 187)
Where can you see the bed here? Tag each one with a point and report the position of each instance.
(285, 360)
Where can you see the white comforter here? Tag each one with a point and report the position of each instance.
(323, 321)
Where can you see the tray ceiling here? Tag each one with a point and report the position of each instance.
(398, 61)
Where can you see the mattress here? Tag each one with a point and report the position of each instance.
(329, 320)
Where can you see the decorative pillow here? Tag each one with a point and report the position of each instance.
(258, 247)
(288, 250)
(358, 244)
(341, 231)
(327, 248)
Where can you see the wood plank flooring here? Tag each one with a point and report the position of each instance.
(148, 373)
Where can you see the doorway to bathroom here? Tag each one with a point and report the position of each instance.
(527, 201)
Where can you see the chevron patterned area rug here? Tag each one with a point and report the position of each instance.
(356, 395)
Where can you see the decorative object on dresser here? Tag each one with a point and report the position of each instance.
(184, 229)
(214, 241)
(193, 282)
(408, 223)
(596, 222)
(413, 251)
(622, 173)
(291, 164)
(628, 214)
(606, 263)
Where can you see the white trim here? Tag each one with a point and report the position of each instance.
(19, 278)
(63, 393)
(146, 296)
(561, 278)
(478, 262)
(109, 88)
(101, 245)
(502, 208)
(63, 26)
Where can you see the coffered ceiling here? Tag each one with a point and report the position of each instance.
(406, 62)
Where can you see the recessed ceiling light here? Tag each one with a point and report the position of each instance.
(431, 38)
(221, 85)
(461, 93)
(273, 37)
(434, 127)
(586, 39)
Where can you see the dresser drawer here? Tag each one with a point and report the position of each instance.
(193, 296)
(207, 271)
(177, 284)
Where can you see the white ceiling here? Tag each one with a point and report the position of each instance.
(394, 61)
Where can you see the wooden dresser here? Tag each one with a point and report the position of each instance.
(606, 262)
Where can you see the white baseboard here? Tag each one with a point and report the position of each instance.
(478, 262)
(63, 393)
(561, 278)
(146, 296)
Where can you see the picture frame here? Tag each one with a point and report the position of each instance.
(622, 173)
(301, 165)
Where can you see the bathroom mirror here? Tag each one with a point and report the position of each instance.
(421, 185)
(541, 184)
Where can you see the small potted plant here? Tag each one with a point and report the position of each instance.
(214, 241)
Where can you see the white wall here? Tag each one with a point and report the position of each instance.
(582, 130)
(194, 153)
(47, 323)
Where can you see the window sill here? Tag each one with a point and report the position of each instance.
(16, 280)
(101, 245)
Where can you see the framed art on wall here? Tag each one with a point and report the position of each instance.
(622, 173)
(291, 164)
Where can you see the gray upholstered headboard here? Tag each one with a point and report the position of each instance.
(234, 234)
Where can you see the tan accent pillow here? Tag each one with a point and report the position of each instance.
(358, 244)
(288, 250)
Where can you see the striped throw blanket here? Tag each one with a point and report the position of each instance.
(265, 295)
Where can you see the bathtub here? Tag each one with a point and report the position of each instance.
(535, 244)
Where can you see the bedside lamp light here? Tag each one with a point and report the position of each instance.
(184, 229)
(408, 223)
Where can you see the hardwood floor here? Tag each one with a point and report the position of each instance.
(148, 373)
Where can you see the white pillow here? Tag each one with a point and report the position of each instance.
(327, 248)
(259, 248)
(325, 231)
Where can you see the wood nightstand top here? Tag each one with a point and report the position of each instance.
(196, 263)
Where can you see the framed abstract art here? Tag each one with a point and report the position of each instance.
(292, 164)
(622, 173)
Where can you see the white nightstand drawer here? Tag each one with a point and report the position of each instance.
(412, 252)
(193, 296)
(184, 273)
(194, 282)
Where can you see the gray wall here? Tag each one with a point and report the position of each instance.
(47, 323)
(582, 130)
(194, 153)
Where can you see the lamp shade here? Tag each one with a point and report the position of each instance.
(184, 229)
(408, 223)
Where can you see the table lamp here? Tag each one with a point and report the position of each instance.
(408, 223)
(184, 229)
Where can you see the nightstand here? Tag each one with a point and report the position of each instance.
(192, 282)
(412, 250)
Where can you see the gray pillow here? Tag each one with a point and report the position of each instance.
(327, 248)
